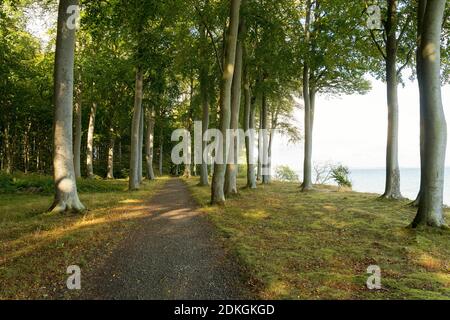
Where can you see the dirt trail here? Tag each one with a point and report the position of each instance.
(172, 254)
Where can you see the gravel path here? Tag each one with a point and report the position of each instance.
(171, 255)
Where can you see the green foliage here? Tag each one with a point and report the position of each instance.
(340, 175)
(42, 184)
(285, 173)
(318, 245)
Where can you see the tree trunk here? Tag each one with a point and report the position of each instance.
(150, 143)
(392, 188)
(217, 189)
(419, 62)
(77, 133)
(203, 77)
(161, 153)
(265, 165)
(90, 142)
(135, 131)
(430, 212)
(259, 167)
(307, 162)
(8, 151)
(112, 140)
(188, 166)
(249, 124)
(141, 147)
(231, 170)
(66, 195)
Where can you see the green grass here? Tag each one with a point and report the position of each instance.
(318, 245)
(36, 247)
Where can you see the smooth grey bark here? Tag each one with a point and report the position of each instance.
(203, 79)
(266, 163)
(217, 186)
(161, 153)
(392, 186)
(249, 123)
(8, 151)
(419, 62)
(430, 212)
(188, 166)
(259, 166)
(112, 142)
(141, 146)
(77, 132)
(66, 195)
(307, 162)
(149, 145)
(231, 170)
(90, 142)
(133, 183)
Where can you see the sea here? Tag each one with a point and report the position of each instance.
(373, 181)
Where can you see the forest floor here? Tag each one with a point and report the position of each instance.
(149, 244)
(37, 247)
(319, 245)
(270, 243)
(174, 253)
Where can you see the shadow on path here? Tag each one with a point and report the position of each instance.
(171, 255)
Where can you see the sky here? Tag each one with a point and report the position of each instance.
(351, 130)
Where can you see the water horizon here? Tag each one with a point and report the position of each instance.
(372, 180)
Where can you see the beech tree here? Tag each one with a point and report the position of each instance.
(66, 195)
(217, 187)
(394, 43)
(332, 70)
(430, 20)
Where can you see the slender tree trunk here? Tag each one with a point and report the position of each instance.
(8, 151)
(77, 132)
(135, 131)
(249, 124)
(90, 142)
(392, 188)
(307, 162)
(161, 153)
(205, 105)
(112, 141)
(269, 158)
(150, 143)
(141, 147)
(188, 166)
(217, 189)
(66, 195)
(430, 212)
(419, 62)
(27, 148)
(119, 149)
(265, 165)
(259, 167)
(231, 169)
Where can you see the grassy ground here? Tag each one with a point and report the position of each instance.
(37, 247)
(319, 245)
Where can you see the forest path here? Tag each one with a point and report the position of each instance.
(172, 254)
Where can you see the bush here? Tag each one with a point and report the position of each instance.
(340, 174)
(36, 183)
(20, 182)
(284, 173)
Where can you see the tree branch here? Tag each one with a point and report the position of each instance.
(219, 63)
(380, 49)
